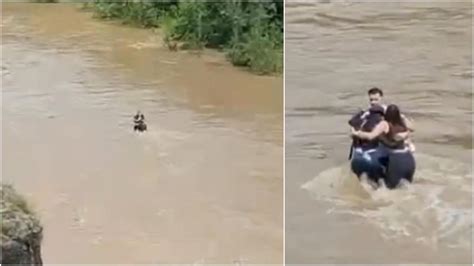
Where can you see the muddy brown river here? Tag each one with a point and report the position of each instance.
(420, 54)
(203, 185)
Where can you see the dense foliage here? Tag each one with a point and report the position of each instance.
(250, 32)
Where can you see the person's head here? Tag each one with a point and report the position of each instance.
(139, 117)
(392, 115)
(375, 96)
(377, 109)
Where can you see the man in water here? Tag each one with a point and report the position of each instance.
(376, 98)
(365, 155)
(368, 156)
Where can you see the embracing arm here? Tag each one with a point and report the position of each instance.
(377, 131)
(408, 123)
(402, 135)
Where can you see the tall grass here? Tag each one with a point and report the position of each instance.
(249, 32)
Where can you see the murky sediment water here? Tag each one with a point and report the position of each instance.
(203, 185)
(420, 54)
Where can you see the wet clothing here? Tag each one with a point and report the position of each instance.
(366, 123)
(384, 157)
(401, 165)
(365, 155)
(390, 143)
(369, 162)
(401, 162)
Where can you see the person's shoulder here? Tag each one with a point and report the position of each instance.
(384, 124)
(364, 114)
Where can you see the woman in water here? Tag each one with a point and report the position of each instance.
(394, 135)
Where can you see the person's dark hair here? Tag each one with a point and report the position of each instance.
(377, 109)
(393, 117)
(375, 90)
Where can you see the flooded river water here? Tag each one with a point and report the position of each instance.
(203, 185)
(420, 54)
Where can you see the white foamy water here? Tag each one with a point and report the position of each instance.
(434, 210)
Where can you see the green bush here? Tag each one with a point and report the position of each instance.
(250, 32)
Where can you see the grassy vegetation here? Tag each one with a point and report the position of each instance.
(18, 220)
(249, 32)
(22, 232)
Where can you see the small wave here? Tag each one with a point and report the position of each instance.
(468, 74)
(4, 71)
(145, 45)
(163, 138)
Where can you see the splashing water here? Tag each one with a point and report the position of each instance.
(435, 210)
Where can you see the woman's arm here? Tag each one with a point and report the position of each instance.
(408, 123)
(377, 131)
(402, 135)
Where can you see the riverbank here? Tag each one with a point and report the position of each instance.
(250, 34)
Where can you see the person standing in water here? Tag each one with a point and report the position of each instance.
(365, 155)
(371, 159)
(392, 132)
(376, 98)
